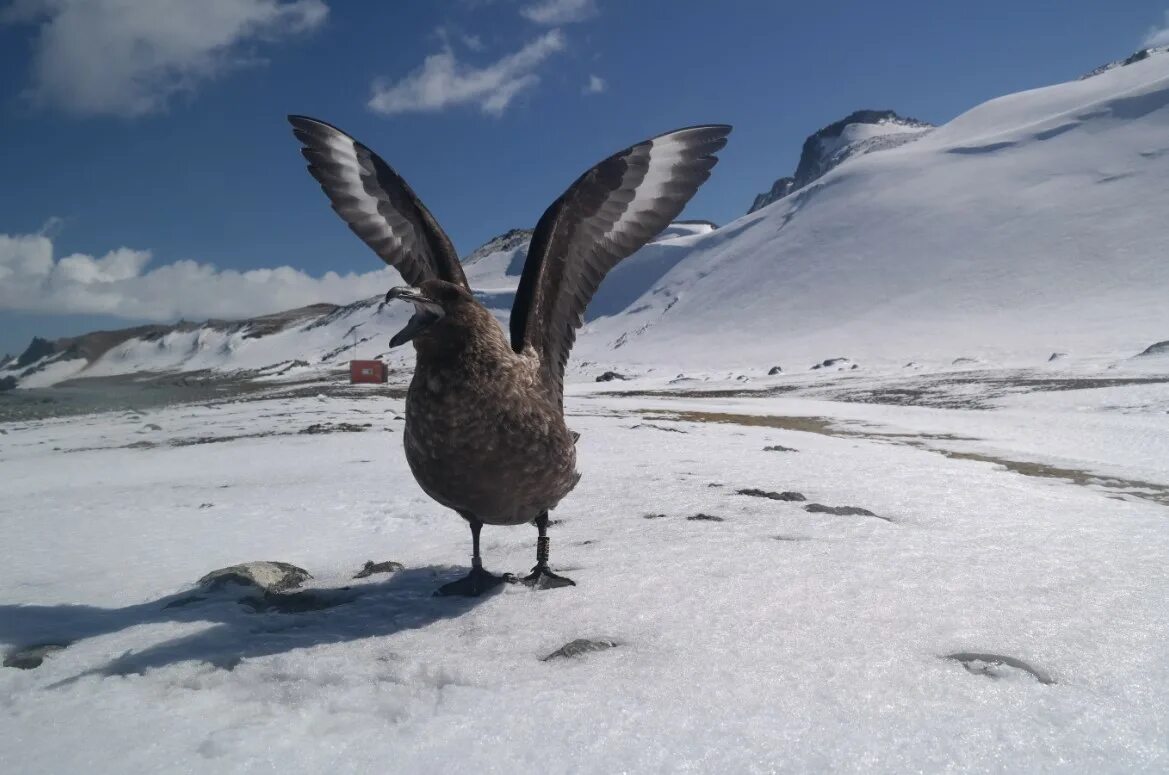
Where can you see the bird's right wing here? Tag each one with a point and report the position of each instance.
(608, 213)
(377, 204)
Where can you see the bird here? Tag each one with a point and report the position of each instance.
(485, 432)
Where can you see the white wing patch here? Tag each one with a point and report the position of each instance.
(664, 154)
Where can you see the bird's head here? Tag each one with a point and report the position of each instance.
(438, 305)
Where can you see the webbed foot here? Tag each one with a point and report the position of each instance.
(473, 584)
(542, 577)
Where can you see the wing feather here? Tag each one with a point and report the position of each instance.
(377, 204)
(606, 215)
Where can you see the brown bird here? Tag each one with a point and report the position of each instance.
(485, 432)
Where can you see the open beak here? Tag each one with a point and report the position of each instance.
(426, 313)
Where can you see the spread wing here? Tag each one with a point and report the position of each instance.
(377, 204)
(607, 214)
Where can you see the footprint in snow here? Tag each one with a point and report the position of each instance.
(581, 646)
(996, 666)
(842, 511)
(787, 495)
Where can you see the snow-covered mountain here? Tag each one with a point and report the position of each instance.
(858, 133)
(1031, 224)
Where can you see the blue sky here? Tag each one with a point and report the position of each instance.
(132, 141)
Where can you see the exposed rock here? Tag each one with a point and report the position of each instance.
(964, 361)
(1160, 348)
(774, 370)
(1138, 56)
(582, 646)
(38, 348)
(372, 567)
(296, 602)
(779, 448)
(151, 427)
(609, 376)
(654, 516)
(787, 495)
(861, 132)
(339, 427)
(31, 657)
(705, 518)
(264, 575)
(7, 383)
(1056, 357)
(991, 666)
(842, 511)
(840, 364)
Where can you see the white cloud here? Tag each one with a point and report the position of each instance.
(130, 57)
(596, 84)
(553, 12)
(1159, 36)
(118, 283)
(442, 81)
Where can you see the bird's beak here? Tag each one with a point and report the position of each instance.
(426, 313)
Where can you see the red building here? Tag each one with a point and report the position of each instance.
(367, 371)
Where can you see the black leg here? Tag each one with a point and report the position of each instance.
(478, 580)
(542, 576)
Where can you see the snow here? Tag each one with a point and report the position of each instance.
(738, 652)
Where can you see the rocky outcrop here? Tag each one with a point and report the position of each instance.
(858, 133)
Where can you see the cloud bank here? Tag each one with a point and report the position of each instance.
(131, 57)
(555, 12)
(1159, 36)
(119, 283)
(444, 82)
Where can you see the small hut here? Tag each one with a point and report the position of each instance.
(367, 371)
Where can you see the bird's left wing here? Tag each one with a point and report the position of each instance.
(377, 204)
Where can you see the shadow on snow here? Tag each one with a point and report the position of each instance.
(246, 623)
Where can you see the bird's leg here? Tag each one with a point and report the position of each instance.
(478, 580)
(542, 576)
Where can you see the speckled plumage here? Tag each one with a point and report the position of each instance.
(484, 435)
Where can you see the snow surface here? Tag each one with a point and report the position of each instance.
(775, 640)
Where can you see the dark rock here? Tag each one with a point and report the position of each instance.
(1056, 357)
(963, 361)
(990, 665)
(7, 383)
(655, 427)
(151, 427)
(839, 363)
(206, 505)
(296, 602)
(609, 376)
(31, 657)
(842, 511)
(263, 575)
(1160, 348)
(705, 518)
(823, 150)
(779, 448)
(654, 516)
(774, 370)
(38, 348)
(581, 646)
(791, 538)
(340, 427)
(372, 567)
(775, 496)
